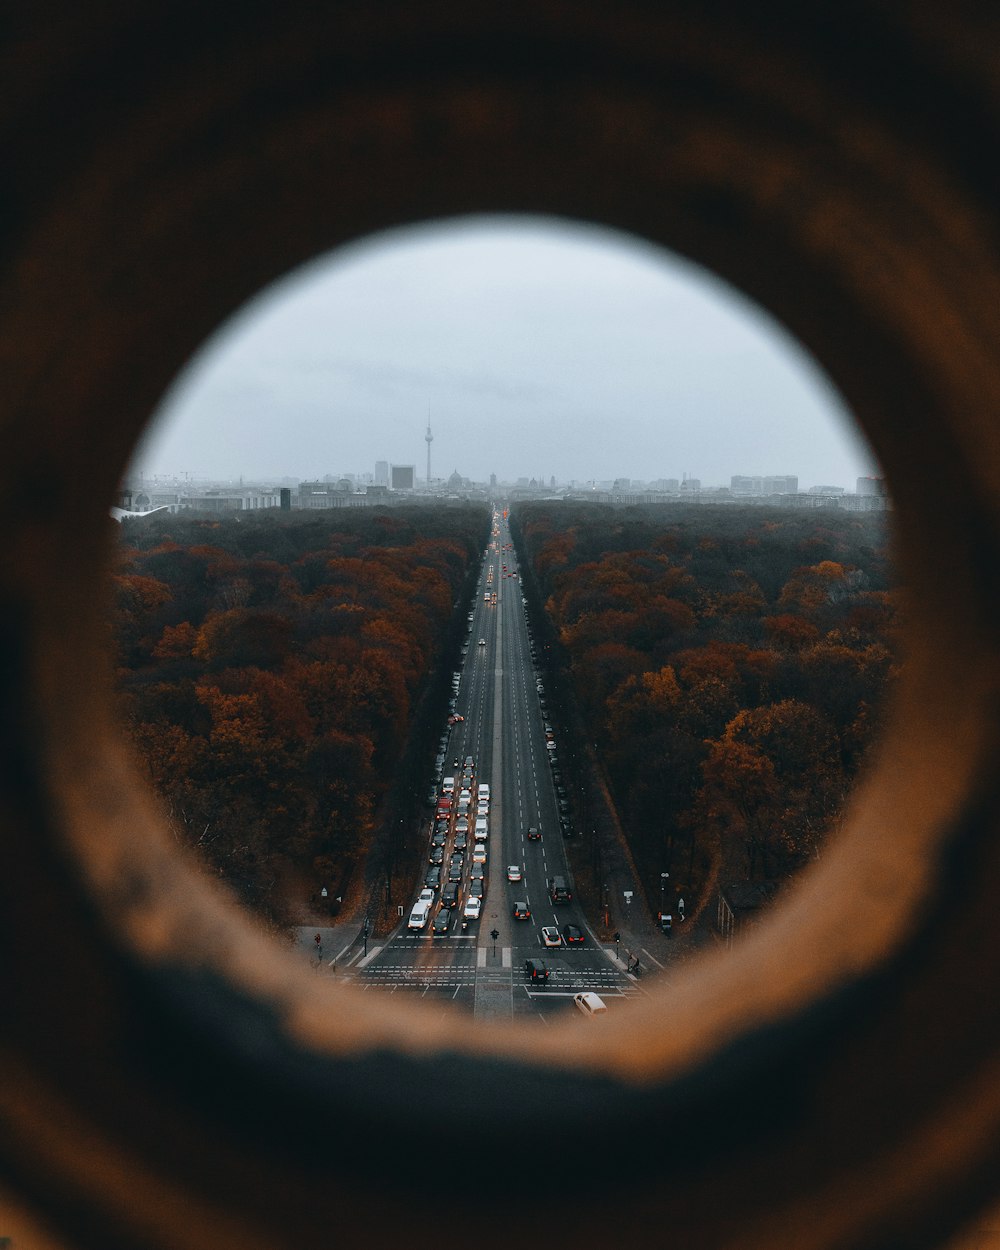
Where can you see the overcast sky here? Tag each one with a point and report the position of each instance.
(534, 348)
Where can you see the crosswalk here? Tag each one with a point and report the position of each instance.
(450, 977)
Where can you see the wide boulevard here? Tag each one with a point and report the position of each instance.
(503, 729)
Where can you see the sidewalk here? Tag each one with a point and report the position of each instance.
(340, 946)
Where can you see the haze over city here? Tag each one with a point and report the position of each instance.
(532, 347)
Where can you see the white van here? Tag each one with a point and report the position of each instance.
(589, 1003)
(418, 917)
(484, 791)
(448, 785)
(480, 829)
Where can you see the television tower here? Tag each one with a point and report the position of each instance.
(428, 439)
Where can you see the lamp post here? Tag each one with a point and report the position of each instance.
(664, 878)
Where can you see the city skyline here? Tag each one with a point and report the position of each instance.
(591, 354)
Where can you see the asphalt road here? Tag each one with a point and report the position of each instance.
(503, 732)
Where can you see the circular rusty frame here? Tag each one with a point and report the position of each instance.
(168, 1077)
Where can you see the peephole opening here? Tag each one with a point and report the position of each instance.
(504, 613)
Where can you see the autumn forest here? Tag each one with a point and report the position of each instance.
(271, 669)
(729, 665)
(280, 672)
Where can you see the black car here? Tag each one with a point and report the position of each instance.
(457, 857)
(461, 841)
(521, 911)
(469, 762)
(533, 834)
(572, 935)
(566, 825)
(559, 891)
(442, 921)
(536, 970)
(477, 887)
(454, 872)
(439, 837)
(433, 878)
(449, 895)
(437, 855)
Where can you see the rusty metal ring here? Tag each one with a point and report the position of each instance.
(167, 1076)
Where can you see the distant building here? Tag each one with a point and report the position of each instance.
(871, 486)
(786, 484)
(402, 476)
(826, 490)
(381, 472)
(236, 500)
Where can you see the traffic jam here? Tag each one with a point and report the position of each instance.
(454, 888)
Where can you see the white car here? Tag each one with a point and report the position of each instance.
(483, 807)
(589, 1003)
(426, 895)
(551, 935)
(513, 872)
(479, 853)
(482, 642)
(473, 908)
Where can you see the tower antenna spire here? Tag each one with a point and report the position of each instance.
(428, 439)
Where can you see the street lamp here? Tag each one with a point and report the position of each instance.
(664, 877)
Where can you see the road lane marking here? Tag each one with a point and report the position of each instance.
(505, 957)
(481, 957)
(653, 958)
(370, 956)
